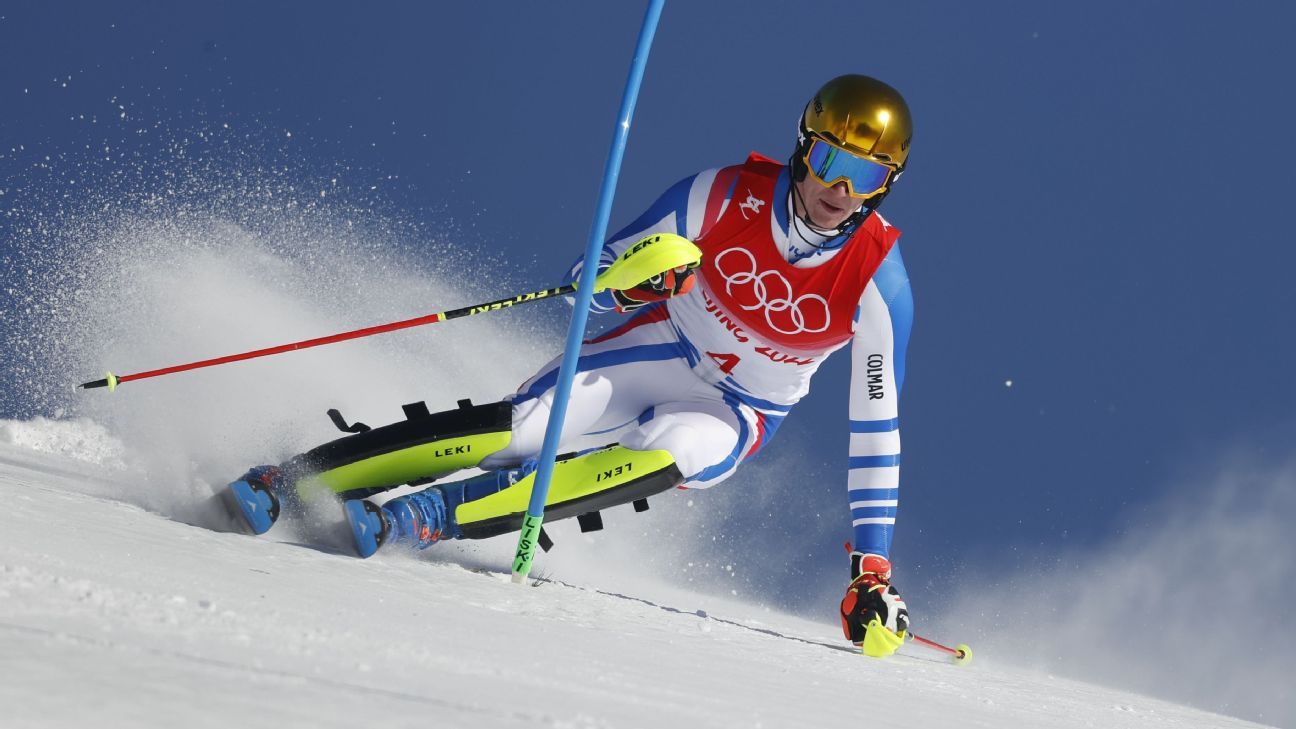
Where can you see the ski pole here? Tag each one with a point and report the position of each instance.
(961, 653)
(534, 517)
(650, 256)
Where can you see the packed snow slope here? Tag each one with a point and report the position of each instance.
(113, 614)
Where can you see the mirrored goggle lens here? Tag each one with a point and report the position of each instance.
(830, 165)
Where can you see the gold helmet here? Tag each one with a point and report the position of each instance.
(855, 130)
(862, 115)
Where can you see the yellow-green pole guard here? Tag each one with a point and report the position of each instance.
(651, 256)
(879, 641)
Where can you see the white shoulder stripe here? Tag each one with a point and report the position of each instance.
(697, 200)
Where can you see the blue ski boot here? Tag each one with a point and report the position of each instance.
(255, 498)
(424, 518)
(417, 519)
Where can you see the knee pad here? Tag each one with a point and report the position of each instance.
(418, 449)
(581, 484)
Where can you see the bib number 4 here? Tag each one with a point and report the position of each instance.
(726, 361)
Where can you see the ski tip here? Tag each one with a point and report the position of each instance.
(962, 654)
(255, 505)
(368, 530)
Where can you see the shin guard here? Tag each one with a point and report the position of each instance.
(581, 484)
(417, 450)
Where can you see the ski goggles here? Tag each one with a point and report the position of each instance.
(830, 164)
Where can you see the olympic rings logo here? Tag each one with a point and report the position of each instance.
(771, 291)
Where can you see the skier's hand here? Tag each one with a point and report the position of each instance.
(873, 614)
(674, 282)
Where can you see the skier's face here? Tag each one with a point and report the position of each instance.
(827, 207)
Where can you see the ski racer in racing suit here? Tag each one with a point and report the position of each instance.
(796, 264)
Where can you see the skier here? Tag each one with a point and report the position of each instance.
(796, 264)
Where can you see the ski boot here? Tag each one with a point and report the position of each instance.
(424, 518)
(255, 499)
(418, 519)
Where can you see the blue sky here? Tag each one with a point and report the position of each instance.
(1096, 208)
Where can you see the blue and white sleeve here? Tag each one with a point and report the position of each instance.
(882, 324)
(679, 210)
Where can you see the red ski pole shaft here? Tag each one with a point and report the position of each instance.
(932, 644)
(111, 381)
(960, 654)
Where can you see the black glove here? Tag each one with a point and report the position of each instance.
(674, 282)
(873, 614)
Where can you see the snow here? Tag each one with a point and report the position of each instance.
(81, 439)
(125, 617)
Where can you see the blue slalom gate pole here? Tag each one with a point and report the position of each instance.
(534, 518)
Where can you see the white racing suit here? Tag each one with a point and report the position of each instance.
(710, 375)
